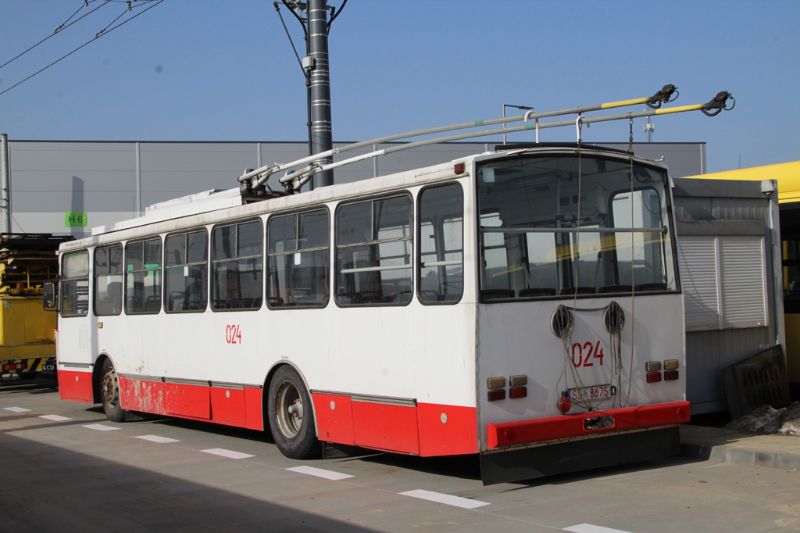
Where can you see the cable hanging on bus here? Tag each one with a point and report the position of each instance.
(252, 184)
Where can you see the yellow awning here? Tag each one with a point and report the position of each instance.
(786, 174)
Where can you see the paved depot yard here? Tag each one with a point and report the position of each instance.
(64, 467)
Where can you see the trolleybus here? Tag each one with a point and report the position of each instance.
(523, 304)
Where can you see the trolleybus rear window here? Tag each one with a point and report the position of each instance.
(563, 225)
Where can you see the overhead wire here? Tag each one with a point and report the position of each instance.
(335, 13)
(291, 41)
(98, 35)
(60, 28)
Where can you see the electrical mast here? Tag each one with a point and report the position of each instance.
(313, 18)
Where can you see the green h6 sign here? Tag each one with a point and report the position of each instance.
(75, 219)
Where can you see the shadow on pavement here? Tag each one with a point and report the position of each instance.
(45, 488)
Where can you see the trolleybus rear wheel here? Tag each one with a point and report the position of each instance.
(109, 393)
(291, 416)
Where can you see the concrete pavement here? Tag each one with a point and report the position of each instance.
(777, 451)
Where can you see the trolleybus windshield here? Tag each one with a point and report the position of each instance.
(564, 225)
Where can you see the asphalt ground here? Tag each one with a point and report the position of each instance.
(64, 467)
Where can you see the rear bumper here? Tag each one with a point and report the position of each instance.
(520, 464)
(584, 424)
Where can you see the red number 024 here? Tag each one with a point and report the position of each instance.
(584, 353)
(233, 334)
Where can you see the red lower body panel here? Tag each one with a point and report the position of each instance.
(584, 424)
(232, 406)
(334, 418)
(386, 427)
(420, 429)
(75, 386)
(423, 429)
(446, 429)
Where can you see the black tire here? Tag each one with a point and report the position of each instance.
(109, 392)
(291, 415)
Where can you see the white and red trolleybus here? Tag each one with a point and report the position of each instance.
(519, 304)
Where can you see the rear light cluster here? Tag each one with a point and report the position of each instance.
(654, 374)
(518, 387)
(15, 367)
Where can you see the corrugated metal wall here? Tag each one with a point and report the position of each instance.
(729, 253)
(112, 181)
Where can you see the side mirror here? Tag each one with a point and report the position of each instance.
(50, 297)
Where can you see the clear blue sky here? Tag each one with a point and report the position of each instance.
(223, 70)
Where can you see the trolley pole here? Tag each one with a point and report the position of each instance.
(5, 185)
(320, 88)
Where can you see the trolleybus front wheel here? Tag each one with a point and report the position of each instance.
(291, 416)
(109, 393)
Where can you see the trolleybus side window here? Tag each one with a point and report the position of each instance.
(373, 252)
(143, 277)
(236, 270)
(298, 259)
(186, 272)
(75, 284)
(441, 244)
(108, 280)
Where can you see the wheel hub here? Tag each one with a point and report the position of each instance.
(289, 410)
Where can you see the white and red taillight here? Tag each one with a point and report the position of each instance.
(517, 387)
(497, 388)
(654, 372)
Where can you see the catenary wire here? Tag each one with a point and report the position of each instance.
(60, 28)
(104, 32)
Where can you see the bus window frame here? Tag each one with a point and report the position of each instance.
(670, 218)
(611, 198)
(164, 267)
(265, 265)
(89, 258)
(418, 245)
(94, 278)
(261, 220)
(125, 274)
(335, 256)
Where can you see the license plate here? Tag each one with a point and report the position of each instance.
(595, 392)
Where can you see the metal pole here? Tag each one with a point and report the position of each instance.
(5, 184)
(321, 134)
(504, 124)
(513, 106)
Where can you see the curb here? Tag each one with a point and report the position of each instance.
(738, 452)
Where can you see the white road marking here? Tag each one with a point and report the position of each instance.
(447, 499)
(56, 418)
(157, 439)
(591, 528)
(230, 454)
(100, 427)
(16, 409)
(319, 472)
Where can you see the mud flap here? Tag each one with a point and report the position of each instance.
(579, 455)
